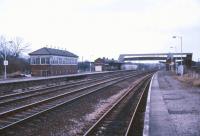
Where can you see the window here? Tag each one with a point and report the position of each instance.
(60, 60)
(75, 61)
(55, 60)
(33, 61)
(70, 60)
(37, 61)
(47, 60)
(42, 60)
(65, 60)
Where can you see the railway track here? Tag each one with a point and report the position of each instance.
(11, 87)
(18, 115)
(119, 119)
(30, 90)
(53, 88)
(20, 99)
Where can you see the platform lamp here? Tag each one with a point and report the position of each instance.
(5, 60)
(171, 57)
(181, 40)
(180, 37)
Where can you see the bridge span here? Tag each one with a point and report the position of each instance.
(168, 58)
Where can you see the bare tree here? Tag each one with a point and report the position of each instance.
(14, 47)
(3, 47)
(18, 46)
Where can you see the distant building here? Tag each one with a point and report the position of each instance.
(51, 62)
(129, 66)
(86, 66)
(105, 64)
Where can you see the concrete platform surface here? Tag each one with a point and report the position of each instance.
(14, 80)
(174, 107)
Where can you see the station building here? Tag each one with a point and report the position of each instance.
(52, 62)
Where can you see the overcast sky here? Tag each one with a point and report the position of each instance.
(104, 28)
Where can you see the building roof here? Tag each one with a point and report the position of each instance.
(51, 51)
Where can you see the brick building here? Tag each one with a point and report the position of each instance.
(107, 64)
(51, 62)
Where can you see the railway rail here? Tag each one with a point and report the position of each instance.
(49, 91)
(119, 119)
(18, 115)
(52, 85)
(7, 86)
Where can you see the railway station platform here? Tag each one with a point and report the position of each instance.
(172, 107)
(16, 80)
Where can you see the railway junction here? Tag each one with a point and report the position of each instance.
(149, 103)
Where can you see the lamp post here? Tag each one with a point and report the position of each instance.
(181, 40)
(5, 59)
(172, 58)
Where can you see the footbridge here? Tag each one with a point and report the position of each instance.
(168, 58)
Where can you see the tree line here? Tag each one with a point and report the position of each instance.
(13, 50)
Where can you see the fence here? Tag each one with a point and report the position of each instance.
(194, 72)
